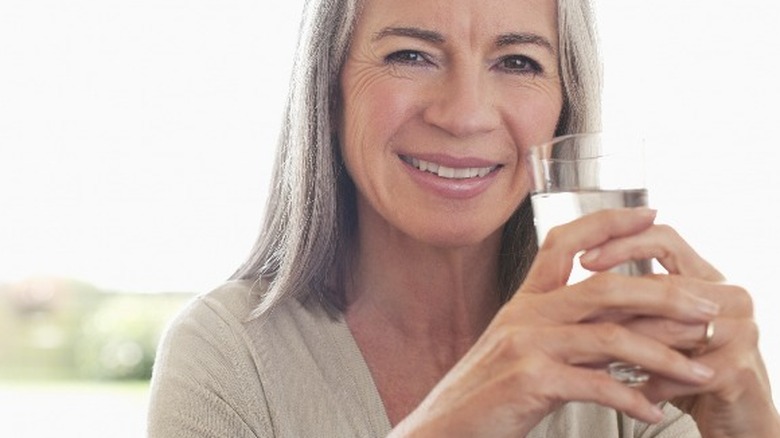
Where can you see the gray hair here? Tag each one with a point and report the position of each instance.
(303, 247)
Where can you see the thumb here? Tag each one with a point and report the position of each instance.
(553, 263)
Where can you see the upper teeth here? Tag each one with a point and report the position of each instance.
(449, 172)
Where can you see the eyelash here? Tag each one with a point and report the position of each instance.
(527, 65)
(402, 57)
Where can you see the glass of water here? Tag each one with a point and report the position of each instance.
(578, 174)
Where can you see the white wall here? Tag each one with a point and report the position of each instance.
(699, 78)
(136, 136)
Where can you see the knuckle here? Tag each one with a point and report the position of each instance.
(532, 372)
(672, 328)
(670, 289)
(743, 301)
(505, 342)
(554, 237)
(610, 333)
(750, 332)
(667, 230)
(602, 283)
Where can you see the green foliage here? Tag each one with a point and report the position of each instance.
(118, 340)
(55, 328)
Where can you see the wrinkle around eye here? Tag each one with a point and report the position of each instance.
(360, 76)
(398, 72)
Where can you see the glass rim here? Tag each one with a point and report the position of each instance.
(535, 150)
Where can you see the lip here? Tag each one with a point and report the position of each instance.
(456, 189)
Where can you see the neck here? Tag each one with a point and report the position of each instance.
(437, 298)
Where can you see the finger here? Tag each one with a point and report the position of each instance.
(553, 262)
(732, 353)
(598, 344)
(685, 337)
(720, 333)
(612, 297)
(571, 383)
(731, 300)
(660, 242)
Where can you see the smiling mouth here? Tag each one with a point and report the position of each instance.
(448, 172)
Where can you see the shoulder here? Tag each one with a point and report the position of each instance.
(222, 330)
(293, 370)
(234, 300)
(204, 376)
(225, 322)
(233, 305)
(227, 318)
(219, 313)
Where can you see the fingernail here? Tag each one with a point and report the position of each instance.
(656, 413)
(707, 307)
(647, 211)
(590, 256)
(702, 371)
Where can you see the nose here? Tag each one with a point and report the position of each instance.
(462, 105)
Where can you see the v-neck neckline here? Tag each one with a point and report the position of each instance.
(356, 372)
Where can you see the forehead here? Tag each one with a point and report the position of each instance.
(461, 18)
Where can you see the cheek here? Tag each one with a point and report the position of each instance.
(535, 119)
(531, 121)
(373, 112)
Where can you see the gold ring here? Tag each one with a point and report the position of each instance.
(704, 343)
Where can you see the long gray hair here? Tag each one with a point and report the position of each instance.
(302, 250)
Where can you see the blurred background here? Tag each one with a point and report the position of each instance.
(136, 141)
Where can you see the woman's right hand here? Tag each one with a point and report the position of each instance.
(550, 343)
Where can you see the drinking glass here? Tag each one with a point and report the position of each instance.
(575, 175)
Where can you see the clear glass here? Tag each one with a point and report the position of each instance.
(578, 174)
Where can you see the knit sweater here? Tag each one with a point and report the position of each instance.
(297, 372)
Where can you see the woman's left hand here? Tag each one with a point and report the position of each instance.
(737, 401)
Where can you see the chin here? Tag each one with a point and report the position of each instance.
(448, 237)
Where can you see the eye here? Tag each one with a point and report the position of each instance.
(519, 64)
(409, 57)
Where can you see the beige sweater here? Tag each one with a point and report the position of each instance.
(295, 373)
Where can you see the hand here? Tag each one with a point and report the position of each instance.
(548, 344)
(737, 400)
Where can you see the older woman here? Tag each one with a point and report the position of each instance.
(396, 287)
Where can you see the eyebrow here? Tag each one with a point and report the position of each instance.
(509, 39)
(412, 32)
(503, 40)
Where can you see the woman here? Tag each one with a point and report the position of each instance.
(396, 288)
